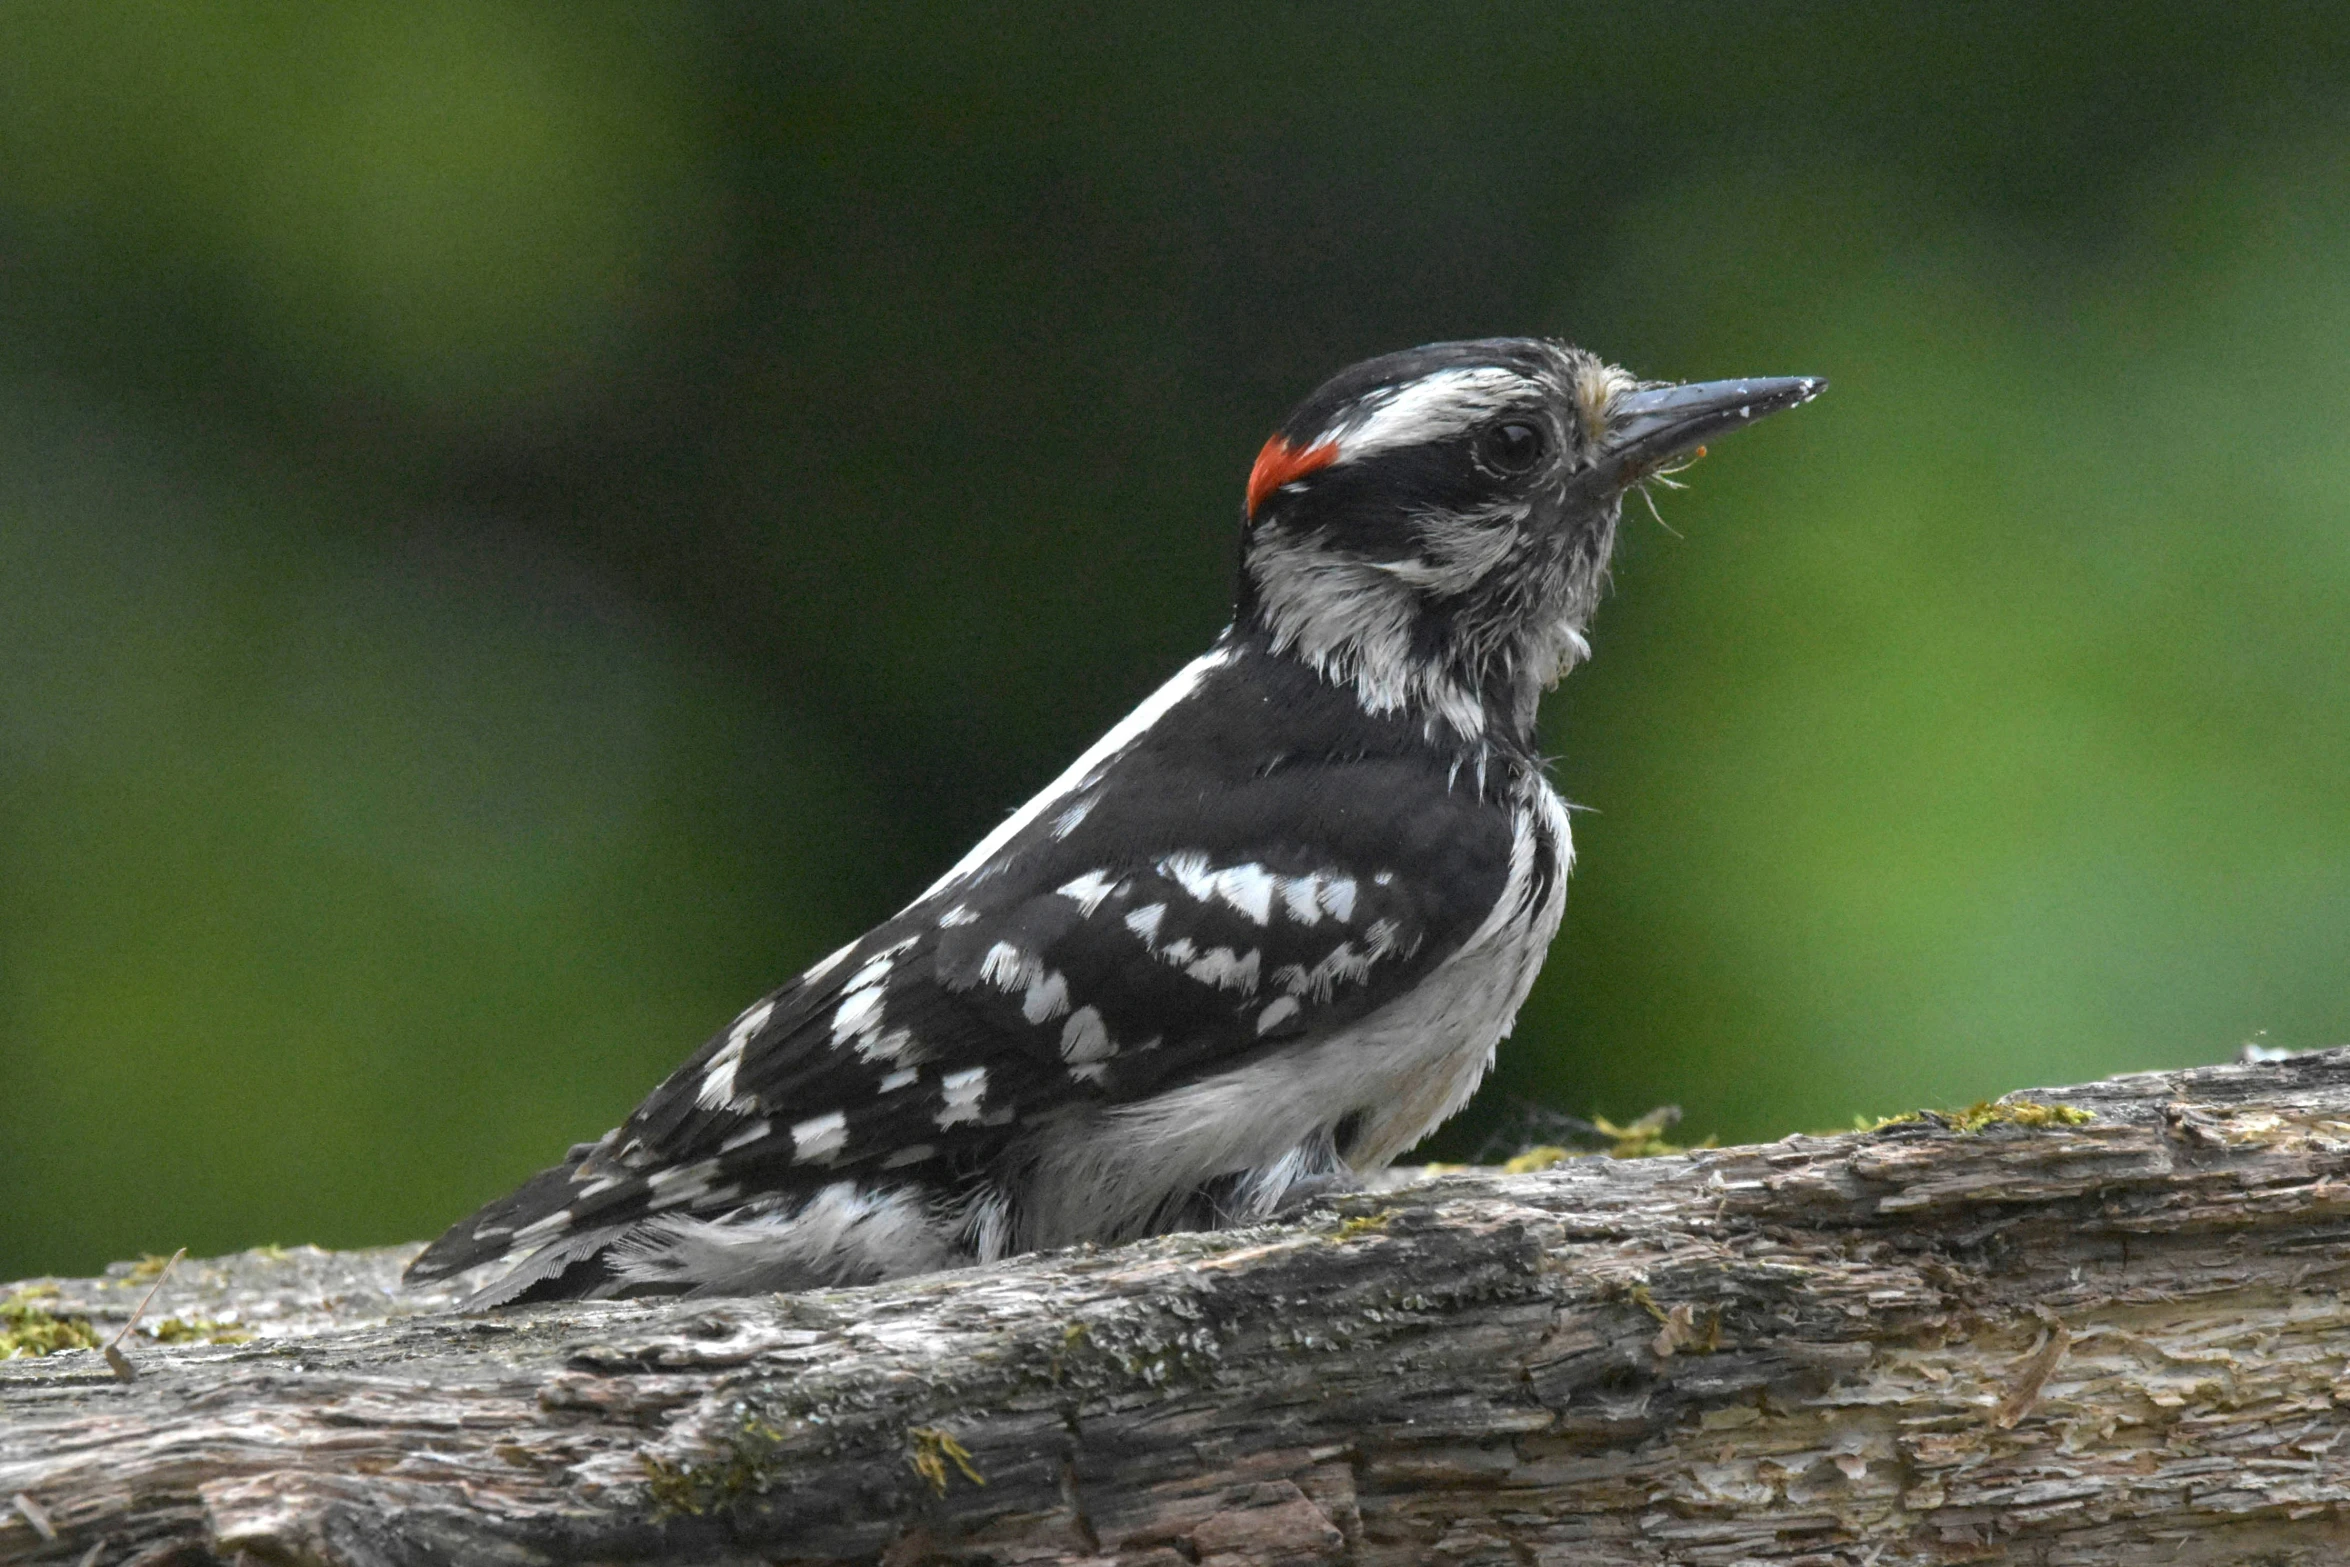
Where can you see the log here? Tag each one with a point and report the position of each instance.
(2096, 1324)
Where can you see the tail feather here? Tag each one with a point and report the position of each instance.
(521, 1218)
(575, 1267)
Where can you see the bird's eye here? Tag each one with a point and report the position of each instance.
(1511, 448)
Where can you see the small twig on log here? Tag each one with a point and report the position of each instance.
(36, 1515)
(116, 1360)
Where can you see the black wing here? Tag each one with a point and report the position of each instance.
(1222, 882)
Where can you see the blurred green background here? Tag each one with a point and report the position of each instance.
(521, 526)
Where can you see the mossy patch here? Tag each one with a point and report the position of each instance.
(1641, 1139)
(29, 1328)
(930, 1450)
(197, 1330)
(2017, 1112)
(1981, 1114)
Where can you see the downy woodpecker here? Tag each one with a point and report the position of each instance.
(1261, 938)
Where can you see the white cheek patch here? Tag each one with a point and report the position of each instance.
(1430, 409)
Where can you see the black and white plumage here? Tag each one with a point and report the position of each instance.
(1262, 937)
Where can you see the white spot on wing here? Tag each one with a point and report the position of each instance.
(1004, 967)
(1277, 1011)
(1338, 896)
(912, 1153)
(539, 1229)
(1047, 997)
(889, 1046)
(1044, 993)
(897, 1080)
(1342, 964)
(1190, 871)
(717, 1090)
(1299, 896)
(819, 1138)
(1069, 820)
(1088, 891)
(1085, 1037)
(1248, 888)
(859, 1013)
(1144, 922)
(1225, 969)
(960, 914)
(963, 1092)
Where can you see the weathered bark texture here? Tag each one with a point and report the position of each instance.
(2117, 1342)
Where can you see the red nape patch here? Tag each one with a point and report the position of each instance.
(1281, 463)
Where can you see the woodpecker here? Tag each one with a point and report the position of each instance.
(1261, 938)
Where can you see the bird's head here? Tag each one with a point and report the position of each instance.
(1433, 527)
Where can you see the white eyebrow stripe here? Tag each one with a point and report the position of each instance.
(1436, 405)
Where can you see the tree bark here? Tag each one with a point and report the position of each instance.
(2001, 1339)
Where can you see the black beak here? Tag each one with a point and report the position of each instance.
(1648, 429)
